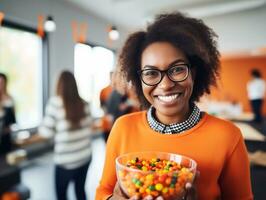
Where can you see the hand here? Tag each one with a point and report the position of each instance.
(191, 192)
(118, 193)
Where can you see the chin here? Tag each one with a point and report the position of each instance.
(171, 112)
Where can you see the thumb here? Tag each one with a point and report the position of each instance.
(191, 193)
(135, 197)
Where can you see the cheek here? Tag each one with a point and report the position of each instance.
(146, 91)
(188, 86)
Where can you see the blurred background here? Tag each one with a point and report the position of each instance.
(41, 38)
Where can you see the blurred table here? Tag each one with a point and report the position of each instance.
(250, 133)
(245, 117)
(9, 175)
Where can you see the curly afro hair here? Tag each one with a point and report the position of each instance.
(190, 35)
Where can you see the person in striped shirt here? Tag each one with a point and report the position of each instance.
(67, 120)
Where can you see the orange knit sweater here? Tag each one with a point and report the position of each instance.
(216, 145)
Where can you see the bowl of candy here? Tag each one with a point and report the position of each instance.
(154, 175)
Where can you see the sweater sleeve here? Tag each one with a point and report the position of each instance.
(47, 127)
(108, 180)
(235, 178)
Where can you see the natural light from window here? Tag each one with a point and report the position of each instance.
(92, 71)
(21, 61)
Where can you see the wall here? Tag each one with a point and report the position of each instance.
(240, 32)
(243, 30)
(237, 31)
(235, 73)
(61, 43)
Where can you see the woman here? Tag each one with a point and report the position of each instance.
(171, 65)
(68, 119)
(7, 116)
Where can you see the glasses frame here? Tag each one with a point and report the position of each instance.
(163, 72)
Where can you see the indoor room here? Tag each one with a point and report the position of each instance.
(98, 98)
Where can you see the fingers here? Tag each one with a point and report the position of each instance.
(188, 186)
(117, 189)
(196, 176)
(118, 193)
(149, 197)
(191, 193)
(134, 198)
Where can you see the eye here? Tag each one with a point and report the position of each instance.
(179, 69)
(150, 73)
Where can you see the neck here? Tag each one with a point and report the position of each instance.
(175, 118)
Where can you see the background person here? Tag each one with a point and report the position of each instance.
(118, 103)
(105, 93)
(105, 123)
(171, 65)
(67, 119)
(7, 116)
(256, 92)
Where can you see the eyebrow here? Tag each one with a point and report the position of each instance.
(181, 61)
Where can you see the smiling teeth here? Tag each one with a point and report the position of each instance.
(168, 98)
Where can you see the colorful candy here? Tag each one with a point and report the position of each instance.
(154, 177)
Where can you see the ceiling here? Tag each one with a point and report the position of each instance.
(132, 14)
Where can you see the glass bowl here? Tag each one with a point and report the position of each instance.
(154, 174)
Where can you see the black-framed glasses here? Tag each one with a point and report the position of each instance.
(176, 73)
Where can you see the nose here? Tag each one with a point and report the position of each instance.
(166, 83)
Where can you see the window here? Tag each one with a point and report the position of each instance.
(21, 60)
(92, 71)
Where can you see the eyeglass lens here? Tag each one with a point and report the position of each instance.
(154, 76)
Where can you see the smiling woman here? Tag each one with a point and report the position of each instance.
(171, 65)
